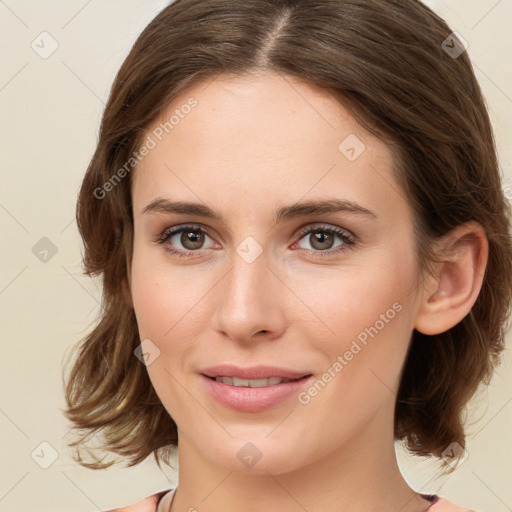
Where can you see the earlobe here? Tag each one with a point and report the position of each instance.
(449, 295)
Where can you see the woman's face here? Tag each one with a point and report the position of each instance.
(330, 291)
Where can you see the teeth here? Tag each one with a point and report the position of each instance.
(252, 383)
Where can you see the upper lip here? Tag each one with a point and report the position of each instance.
(252, 372)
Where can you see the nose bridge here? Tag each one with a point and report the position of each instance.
(249, 300)
(249, 270)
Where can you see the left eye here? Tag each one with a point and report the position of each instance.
(322, 239)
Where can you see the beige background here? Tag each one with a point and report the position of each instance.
(50, 110)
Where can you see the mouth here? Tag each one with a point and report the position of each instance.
(252, 395)
(254, 383)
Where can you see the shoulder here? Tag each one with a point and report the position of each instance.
(443, 505)
(148, 504)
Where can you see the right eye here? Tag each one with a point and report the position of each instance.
(191, 238)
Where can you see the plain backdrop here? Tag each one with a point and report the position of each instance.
(50, 108)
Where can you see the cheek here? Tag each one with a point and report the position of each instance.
(168, 300)
(371, 318)
(366, 314)
(153, 307)
(169, 312)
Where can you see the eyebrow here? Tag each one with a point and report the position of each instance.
(160, 205)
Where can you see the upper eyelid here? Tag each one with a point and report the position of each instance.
(312, 226)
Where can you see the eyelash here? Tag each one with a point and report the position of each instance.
(348, 240)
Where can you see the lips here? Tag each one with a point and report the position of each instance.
(252, 399)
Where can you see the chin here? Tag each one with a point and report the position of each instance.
(258, 457)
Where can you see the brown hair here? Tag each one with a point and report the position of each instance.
(386, 60)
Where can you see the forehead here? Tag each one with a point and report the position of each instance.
(261, 137)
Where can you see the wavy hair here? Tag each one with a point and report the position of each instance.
(393, 64)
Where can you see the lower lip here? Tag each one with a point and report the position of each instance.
(249, 399)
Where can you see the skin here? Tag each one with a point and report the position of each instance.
(251, 145)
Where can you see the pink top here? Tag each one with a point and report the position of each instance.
(161, 502)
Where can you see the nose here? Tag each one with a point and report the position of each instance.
(251, 301)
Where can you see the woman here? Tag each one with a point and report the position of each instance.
(306, 255)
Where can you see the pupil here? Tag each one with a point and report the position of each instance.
(320, 239)
(192, 239)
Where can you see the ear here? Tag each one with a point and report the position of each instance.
(449, 295)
